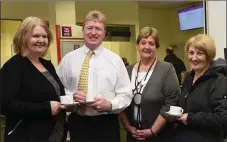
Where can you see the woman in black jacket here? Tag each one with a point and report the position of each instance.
(203, 95)
(30, 88)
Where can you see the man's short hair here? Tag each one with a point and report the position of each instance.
(169, 50)
(95, 15)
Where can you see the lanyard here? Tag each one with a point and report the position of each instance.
(137, 91)
(137, 83)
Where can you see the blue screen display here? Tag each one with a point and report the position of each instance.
(191, 18)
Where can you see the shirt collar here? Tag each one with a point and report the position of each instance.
(97, 50)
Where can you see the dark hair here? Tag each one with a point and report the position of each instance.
(169, 50)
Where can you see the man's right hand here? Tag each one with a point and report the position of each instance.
(79, 97)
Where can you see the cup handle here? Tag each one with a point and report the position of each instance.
(182, 110)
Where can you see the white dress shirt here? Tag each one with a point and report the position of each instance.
(107, 77)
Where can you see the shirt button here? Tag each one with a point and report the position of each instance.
(91, 62)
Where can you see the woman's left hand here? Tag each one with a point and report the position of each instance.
(143, 134)
(183, 118)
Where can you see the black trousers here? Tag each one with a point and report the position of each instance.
(101, 128)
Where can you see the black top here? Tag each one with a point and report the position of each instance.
(58, 132)
(177, 63)
(57, 88)
(206, 105)
(26, 95)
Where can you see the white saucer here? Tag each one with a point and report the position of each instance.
(173, 114)
(87, 102)
(71, 105)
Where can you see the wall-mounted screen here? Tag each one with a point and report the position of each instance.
(191, 18)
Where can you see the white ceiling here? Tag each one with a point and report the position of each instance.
(164, 4)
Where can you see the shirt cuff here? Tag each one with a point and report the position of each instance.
(190, 118)
(114, 105)
(163, 114)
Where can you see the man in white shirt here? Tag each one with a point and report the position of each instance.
(109, 89)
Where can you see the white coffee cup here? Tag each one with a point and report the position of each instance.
(68, 99)
(89, 98)
(176, 110)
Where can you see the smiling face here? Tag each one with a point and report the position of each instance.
(38, 41)
(147, 47)
(200, 50)
(197, 59)
(94, 33)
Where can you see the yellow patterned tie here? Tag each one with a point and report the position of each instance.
(83, 82)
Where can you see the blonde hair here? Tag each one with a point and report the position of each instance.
(24, 32)
(146, 32)
(204, 43)
(95, 15)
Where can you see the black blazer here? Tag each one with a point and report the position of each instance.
(26, 96)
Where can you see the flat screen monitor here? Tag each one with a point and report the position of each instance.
(191, 18)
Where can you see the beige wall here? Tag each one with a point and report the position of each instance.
(8, 30)
(46, 11)
(123, 49)
(116, 12)
(167, 23)
(20, 10)
(159, 19)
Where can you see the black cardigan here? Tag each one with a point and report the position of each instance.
(26, 95)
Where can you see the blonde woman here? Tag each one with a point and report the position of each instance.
(203, 95)
(30, 88)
